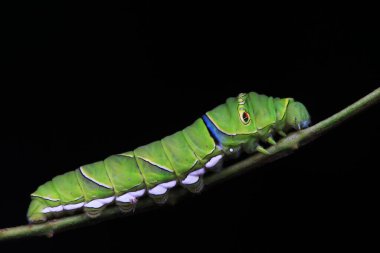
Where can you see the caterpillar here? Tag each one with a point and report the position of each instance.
(241, 123)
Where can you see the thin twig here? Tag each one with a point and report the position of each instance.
(283, 148)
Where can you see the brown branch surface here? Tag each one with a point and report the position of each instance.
(283, 148)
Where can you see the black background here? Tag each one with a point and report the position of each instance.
(80, 84)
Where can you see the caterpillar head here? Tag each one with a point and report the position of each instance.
(297, 116)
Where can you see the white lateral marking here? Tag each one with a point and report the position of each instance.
(155, 164)
(94, 204)
(73, 206)
(162, 188)
(93, 180)
(57, 208)
(138, 194)
(169, 185)
(106, 200)
(130, 197)
(52, 209)
(46, 198)
(190, 179)
(213, 161)
(126, 198)
(158, 190)
(199, 172)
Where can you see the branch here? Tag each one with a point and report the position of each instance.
(283, 148)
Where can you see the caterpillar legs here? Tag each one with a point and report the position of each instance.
(254, 146)
(195, 187)
(194, 181)
(160, 193)
(262, 150)
(94, 212)
(271, 141)
(95, 207)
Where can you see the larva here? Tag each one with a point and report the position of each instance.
(182, 158)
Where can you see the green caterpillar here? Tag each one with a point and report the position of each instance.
(241, 123)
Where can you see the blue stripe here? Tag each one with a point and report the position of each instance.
(214, 131)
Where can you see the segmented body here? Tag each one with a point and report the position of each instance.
(153, 169)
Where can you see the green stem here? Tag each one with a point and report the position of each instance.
(282, 148)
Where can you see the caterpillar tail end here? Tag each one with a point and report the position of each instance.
(35, 214)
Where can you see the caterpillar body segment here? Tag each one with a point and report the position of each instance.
(242, 123)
